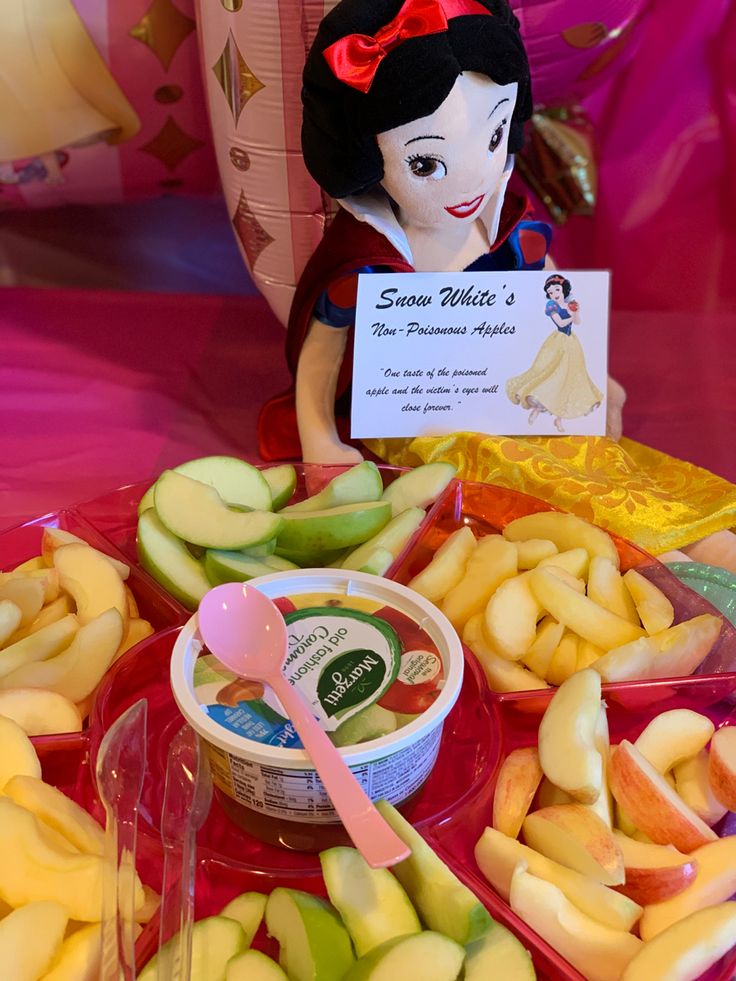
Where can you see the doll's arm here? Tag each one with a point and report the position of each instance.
(320, 360)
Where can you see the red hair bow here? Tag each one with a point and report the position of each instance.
(354, 59)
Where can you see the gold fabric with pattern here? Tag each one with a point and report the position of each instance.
(654, 500)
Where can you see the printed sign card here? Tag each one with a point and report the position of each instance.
(504, 353)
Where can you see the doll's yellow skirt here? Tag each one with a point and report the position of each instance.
(651, 498)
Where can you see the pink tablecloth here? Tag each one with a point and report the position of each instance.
(99, 389)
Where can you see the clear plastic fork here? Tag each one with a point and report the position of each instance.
(187, 799)
(121, 764)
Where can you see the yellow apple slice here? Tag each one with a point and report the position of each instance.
(17, 755)
(693, 785)
(575, 836)
(516, 785)
(498, 855)
(574, 560)
(133, 611)
(502, 674)
(10, 617)
(674, 736)
(136, 631)
(565, 530)
(688, 948)
(491, 562)
(674, 652)
(653, 806)
(597, 951)
(53, 538)
(722, 766)
(655, 610)
(511, 617)
(446, 567)
(31, 868)
(27, 594)
(714, 882)
(588, 654)
(531, 552)
(91, 581)
(564, 661)
(548, 795)
(58, 812)
(30, 938)
(50, 613)
(606, 588)
(567, 750)
(603, 806)
(579, 613)
(653, 872)
(44, 643)
(32, 565)
(77, 670)
(79, 957)
(538, 657)
(39, 712)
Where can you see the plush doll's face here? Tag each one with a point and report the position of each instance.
(442, 169)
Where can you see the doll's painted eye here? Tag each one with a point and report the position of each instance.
(497, 137)
(431, 167)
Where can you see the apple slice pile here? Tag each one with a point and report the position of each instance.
(65, 616)
(415, 921)
(51, 874)
(620, 869)
(219, 519)
(546, 599)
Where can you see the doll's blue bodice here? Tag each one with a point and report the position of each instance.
(336, 305)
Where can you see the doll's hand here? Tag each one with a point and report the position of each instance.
(616, 396)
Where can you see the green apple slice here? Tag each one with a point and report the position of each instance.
(372, 723)
(357, 485)
(314, 944)
(196, 513)
(277, 563)
(372, 903)
(281, 481)
(247, 909)
(442, 901)
(377, 564)
(427, 955)
(498, 954)
(223, 566)
(318, 559)
(393, 537)
(334, 528)
(236, 481)
(170, 562)
(419, 487)
(215, 940)
(146, 501)
(252, 965)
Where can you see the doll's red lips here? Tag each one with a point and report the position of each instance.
(466, 208)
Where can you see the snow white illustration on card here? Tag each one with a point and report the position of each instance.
(557, 382)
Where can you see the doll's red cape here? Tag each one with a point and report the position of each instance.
(348, 244)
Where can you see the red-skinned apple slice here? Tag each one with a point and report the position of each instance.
(722, 766)
(714, 882)
(688, 948)
(674, 736)
(653, 872)
(575, 836)
(692, 783)
(516, 785)
(673, 653)
(650, 802)
(497, 857)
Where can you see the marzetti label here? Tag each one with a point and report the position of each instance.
(341, 660)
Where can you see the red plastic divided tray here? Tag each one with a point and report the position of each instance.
(454, 806)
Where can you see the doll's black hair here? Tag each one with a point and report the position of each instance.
(557, 280)
(340, 123)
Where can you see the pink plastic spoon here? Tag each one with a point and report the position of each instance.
(246, 631)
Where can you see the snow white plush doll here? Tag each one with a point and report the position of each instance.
(412, 111)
